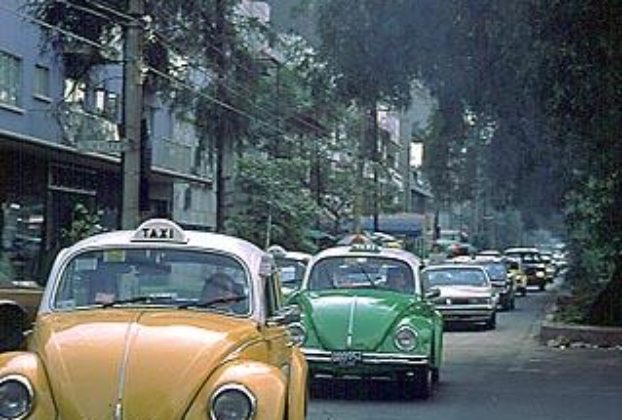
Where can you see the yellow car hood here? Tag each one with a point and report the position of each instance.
(143, 363)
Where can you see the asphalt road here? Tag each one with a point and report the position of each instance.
(502, 375)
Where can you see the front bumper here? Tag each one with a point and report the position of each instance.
(466, 313)
(371, 364)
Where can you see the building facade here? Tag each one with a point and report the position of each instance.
(60, 154)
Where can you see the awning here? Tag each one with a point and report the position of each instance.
(409, 224)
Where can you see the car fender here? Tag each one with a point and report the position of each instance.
(29, 365)
(297, 395)
(267, 383)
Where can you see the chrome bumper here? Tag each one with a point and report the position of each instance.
(473, 313)
(368, 359)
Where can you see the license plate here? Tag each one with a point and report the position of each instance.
(346, 358)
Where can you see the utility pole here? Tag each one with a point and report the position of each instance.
(373, 114)
(132, 114)
(222, 141)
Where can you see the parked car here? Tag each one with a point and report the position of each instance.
(532, 265)
(19, 301)
(158, 323)
(516, 273)
(466, 294)
(292, 266)
(500, 280)
(364, 315)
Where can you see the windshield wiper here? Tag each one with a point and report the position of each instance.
(360, 266)
(135, 299)
(209, 303)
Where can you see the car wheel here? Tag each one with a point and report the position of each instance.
(424, 383)
(492, 322)
(523, 292)
(436, 375)
(542, 287)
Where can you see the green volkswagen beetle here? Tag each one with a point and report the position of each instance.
(364, 315)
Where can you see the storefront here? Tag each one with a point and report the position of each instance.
(44, 189)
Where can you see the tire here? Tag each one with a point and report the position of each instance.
(491, 324)
(523, 292)
(436, 376)
(424, 383)
(542, 287)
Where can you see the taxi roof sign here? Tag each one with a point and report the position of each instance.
(365, 248)
(159, 230)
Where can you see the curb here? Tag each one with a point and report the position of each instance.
(558, 334)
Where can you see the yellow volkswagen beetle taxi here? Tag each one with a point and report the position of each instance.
(158, 323)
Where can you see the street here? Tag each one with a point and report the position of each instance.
(501, 374)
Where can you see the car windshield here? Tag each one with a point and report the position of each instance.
(362, 272)
(292, 270)
(496, 271)
(455, 277)
(156, 277)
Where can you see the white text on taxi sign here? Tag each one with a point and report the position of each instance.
(365, 248)
(159, 230)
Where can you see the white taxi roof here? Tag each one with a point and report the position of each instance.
(172, 236)
(340, 251)
(521, 250)
(454, 267)
(195, 239)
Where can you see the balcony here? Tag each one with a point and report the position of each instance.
(89, 132)
(179, 157)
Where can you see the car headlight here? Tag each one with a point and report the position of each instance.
(405, 338)
(232, 402)
(15, 397)
(297, 333)
(539, 274)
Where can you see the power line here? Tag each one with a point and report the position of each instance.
(153, 70)
(112, 11)
(168, 44)
(85, 9)
(213, 99)
(57, 29)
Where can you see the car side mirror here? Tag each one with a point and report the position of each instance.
(285, 316)
(432, 293)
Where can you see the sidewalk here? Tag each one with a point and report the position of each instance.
(561, 335)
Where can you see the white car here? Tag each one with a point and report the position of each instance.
(466, 293)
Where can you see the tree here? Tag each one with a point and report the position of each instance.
(277, 206)
(365, 44)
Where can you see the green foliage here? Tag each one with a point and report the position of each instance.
(275, 199)
(367, 46)
(84, 223)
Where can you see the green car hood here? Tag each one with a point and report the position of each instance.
(354, 319)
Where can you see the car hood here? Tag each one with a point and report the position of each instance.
(464, 291)
(151, 361)
(354, 319)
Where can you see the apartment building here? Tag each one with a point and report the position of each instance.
(60, 147)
